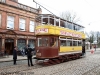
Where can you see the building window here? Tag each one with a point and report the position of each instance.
(22, 24)
(14, 0)
(3, 1)
(32, 43)
(10, 22)
(32, 26)
(0, 20)
(21, 44)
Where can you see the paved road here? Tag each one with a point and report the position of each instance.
(90, 65)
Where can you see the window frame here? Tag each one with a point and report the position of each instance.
(10, 21)
(32, 25)
(20, 24)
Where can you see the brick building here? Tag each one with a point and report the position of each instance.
(17, 23)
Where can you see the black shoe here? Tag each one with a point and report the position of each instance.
(15, 64)
(32, 65)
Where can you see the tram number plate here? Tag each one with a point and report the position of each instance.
(38, 54)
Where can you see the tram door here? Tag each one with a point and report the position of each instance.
(9, 45)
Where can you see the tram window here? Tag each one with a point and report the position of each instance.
(53, 42)
(45, 42)
(70, 26)
(63, 38)
(79, 43)
(45, 20)
(75, 27)
(39, 42)
(69, 43)
(62, 24)
(74, 43)
(57, 22)
(62, 42)
(51, 21)
(65, 23)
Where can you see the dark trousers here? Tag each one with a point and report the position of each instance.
(14, 61)
(30, 60)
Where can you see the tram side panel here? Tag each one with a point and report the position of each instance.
(73, 49)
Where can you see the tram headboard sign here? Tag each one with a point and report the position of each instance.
(42, 30)
(70, 34)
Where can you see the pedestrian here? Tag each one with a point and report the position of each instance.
(23, 52)
(95, 47)
(15, 55)
(28, 51)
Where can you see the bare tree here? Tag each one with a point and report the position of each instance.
(72, 17)
(90, 36)
(97, 36)
(93, 36)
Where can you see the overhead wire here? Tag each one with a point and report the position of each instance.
(48, 6)
(44, 8)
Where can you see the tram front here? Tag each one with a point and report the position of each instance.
(47, 46)
(47, 43)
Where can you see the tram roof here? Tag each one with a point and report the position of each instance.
(61, 19)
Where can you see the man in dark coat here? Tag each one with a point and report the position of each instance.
(28, 51)
(15, 55)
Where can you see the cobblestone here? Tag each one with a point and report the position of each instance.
(90, 65)
(8, 67)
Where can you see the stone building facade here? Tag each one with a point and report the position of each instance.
(17, 25)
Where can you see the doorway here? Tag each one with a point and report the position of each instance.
(9, 45)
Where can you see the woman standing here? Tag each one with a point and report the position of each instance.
(15, 55)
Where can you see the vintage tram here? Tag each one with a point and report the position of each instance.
(57, 38)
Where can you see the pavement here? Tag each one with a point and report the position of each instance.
(10, 57)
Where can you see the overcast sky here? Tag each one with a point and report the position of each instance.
(87, 10)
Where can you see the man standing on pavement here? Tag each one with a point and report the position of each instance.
(28, 51)
(15, 55)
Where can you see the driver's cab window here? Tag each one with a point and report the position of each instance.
(53, 42)
(43, 41)
(39, 42)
